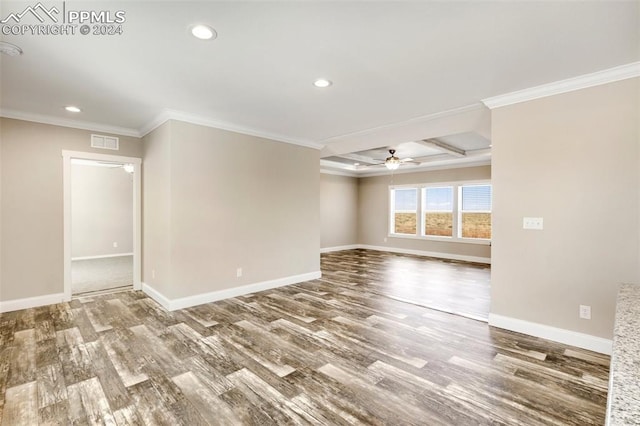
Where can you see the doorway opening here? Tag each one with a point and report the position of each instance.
(101, 223)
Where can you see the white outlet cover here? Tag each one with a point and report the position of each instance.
(585, 312)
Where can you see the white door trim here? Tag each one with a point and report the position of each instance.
(137, 212)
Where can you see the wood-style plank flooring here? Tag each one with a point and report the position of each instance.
(332, 351)
(460, 288)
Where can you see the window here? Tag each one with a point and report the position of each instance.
(404, 211)
(475, 213)
(457, 212)
(438, 211)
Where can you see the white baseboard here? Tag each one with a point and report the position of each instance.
(199, 299)
(439, 255)
(31, 302)
(568, 337)
(104, 256)
(339, 248)
(157, 296)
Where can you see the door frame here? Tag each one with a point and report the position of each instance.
(67, 156)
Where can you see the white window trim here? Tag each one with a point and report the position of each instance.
(457, 238)
(454, 219)
(391, 222)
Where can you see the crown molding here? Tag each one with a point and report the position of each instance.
(400, 171)
(169, 114)
(64, 122)
(610, 75)
(427, 168)
(423, 118)
(157, 121)
(346, 173)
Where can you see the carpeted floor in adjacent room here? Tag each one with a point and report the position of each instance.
(107, 273)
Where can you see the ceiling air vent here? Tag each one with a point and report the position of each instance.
(104, 142)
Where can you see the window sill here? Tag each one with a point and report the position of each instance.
(442, 239)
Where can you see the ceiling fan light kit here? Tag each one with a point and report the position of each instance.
(392, 162)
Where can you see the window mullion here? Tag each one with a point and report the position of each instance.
(391, 223)
(457, 232)
(419, 213)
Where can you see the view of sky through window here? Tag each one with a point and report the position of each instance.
(439, 199)
(406, 199)
(476, 198)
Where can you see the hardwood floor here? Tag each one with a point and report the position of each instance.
(460, 288)
(331, 351)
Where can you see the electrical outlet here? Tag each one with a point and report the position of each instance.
(585, 312)
(239, 272)
(153, 273)
(385, 239)
(115, 244)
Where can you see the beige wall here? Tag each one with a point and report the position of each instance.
(373, 211)
(32, 204)
(235, 201)
(338, 211)
(1, 137)
(101, 211)
(156, 208)
(573, 160)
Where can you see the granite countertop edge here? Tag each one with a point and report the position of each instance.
(624, 389)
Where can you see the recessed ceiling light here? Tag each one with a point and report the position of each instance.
(72, 108)
(322, 82)
(203, 32)
(10, 49)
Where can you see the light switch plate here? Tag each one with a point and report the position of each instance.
(532, 223)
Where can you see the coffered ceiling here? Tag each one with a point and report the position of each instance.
(402, 72)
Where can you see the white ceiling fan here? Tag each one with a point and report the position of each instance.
(392, 162)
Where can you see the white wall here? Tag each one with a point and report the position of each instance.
(101, 211)
(572, 159)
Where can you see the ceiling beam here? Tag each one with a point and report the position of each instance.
(472, 118)
(359, 158)
(471, 154)
(443, 147)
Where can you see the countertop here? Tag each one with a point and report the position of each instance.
(623, 405)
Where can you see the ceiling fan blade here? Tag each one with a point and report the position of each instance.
(383, 162)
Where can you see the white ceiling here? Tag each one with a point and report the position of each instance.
(391, 63)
